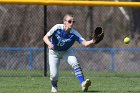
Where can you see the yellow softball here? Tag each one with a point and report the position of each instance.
(126, 40)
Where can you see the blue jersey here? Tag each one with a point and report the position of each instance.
(63, 40)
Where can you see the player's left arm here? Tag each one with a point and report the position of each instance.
(82, 41)
(87, 43)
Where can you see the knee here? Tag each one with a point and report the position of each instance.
(72, 60)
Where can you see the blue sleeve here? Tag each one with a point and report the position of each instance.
(79, 38)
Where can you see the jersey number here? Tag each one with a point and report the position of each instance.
(60, 43)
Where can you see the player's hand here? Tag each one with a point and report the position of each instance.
(50, 46)
(92, 41)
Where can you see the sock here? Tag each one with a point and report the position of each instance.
(79, 74)
(54, 83)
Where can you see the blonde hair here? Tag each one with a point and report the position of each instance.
(64, 19)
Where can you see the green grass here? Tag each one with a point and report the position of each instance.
(101, 83)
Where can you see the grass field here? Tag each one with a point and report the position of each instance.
(101, 83)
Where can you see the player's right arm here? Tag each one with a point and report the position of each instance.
(46, 38)
(47, 41)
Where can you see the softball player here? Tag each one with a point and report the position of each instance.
(59, 39)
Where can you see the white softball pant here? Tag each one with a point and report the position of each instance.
(54, 61)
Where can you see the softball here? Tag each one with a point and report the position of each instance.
(126, 40)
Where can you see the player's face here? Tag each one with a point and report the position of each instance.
(68, 23)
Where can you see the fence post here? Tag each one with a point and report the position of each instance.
(45, 46)
(31, 58)
(113, 59)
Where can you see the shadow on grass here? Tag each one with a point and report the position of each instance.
(96, 91)
(93, 91)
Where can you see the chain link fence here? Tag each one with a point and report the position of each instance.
(22, 47)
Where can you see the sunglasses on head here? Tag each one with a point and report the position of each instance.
(70, 21)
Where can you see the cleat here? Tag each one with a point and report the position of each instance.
(54, 89)
(85, 85)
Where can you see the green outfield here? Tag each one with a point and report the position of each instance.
(101, 82)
